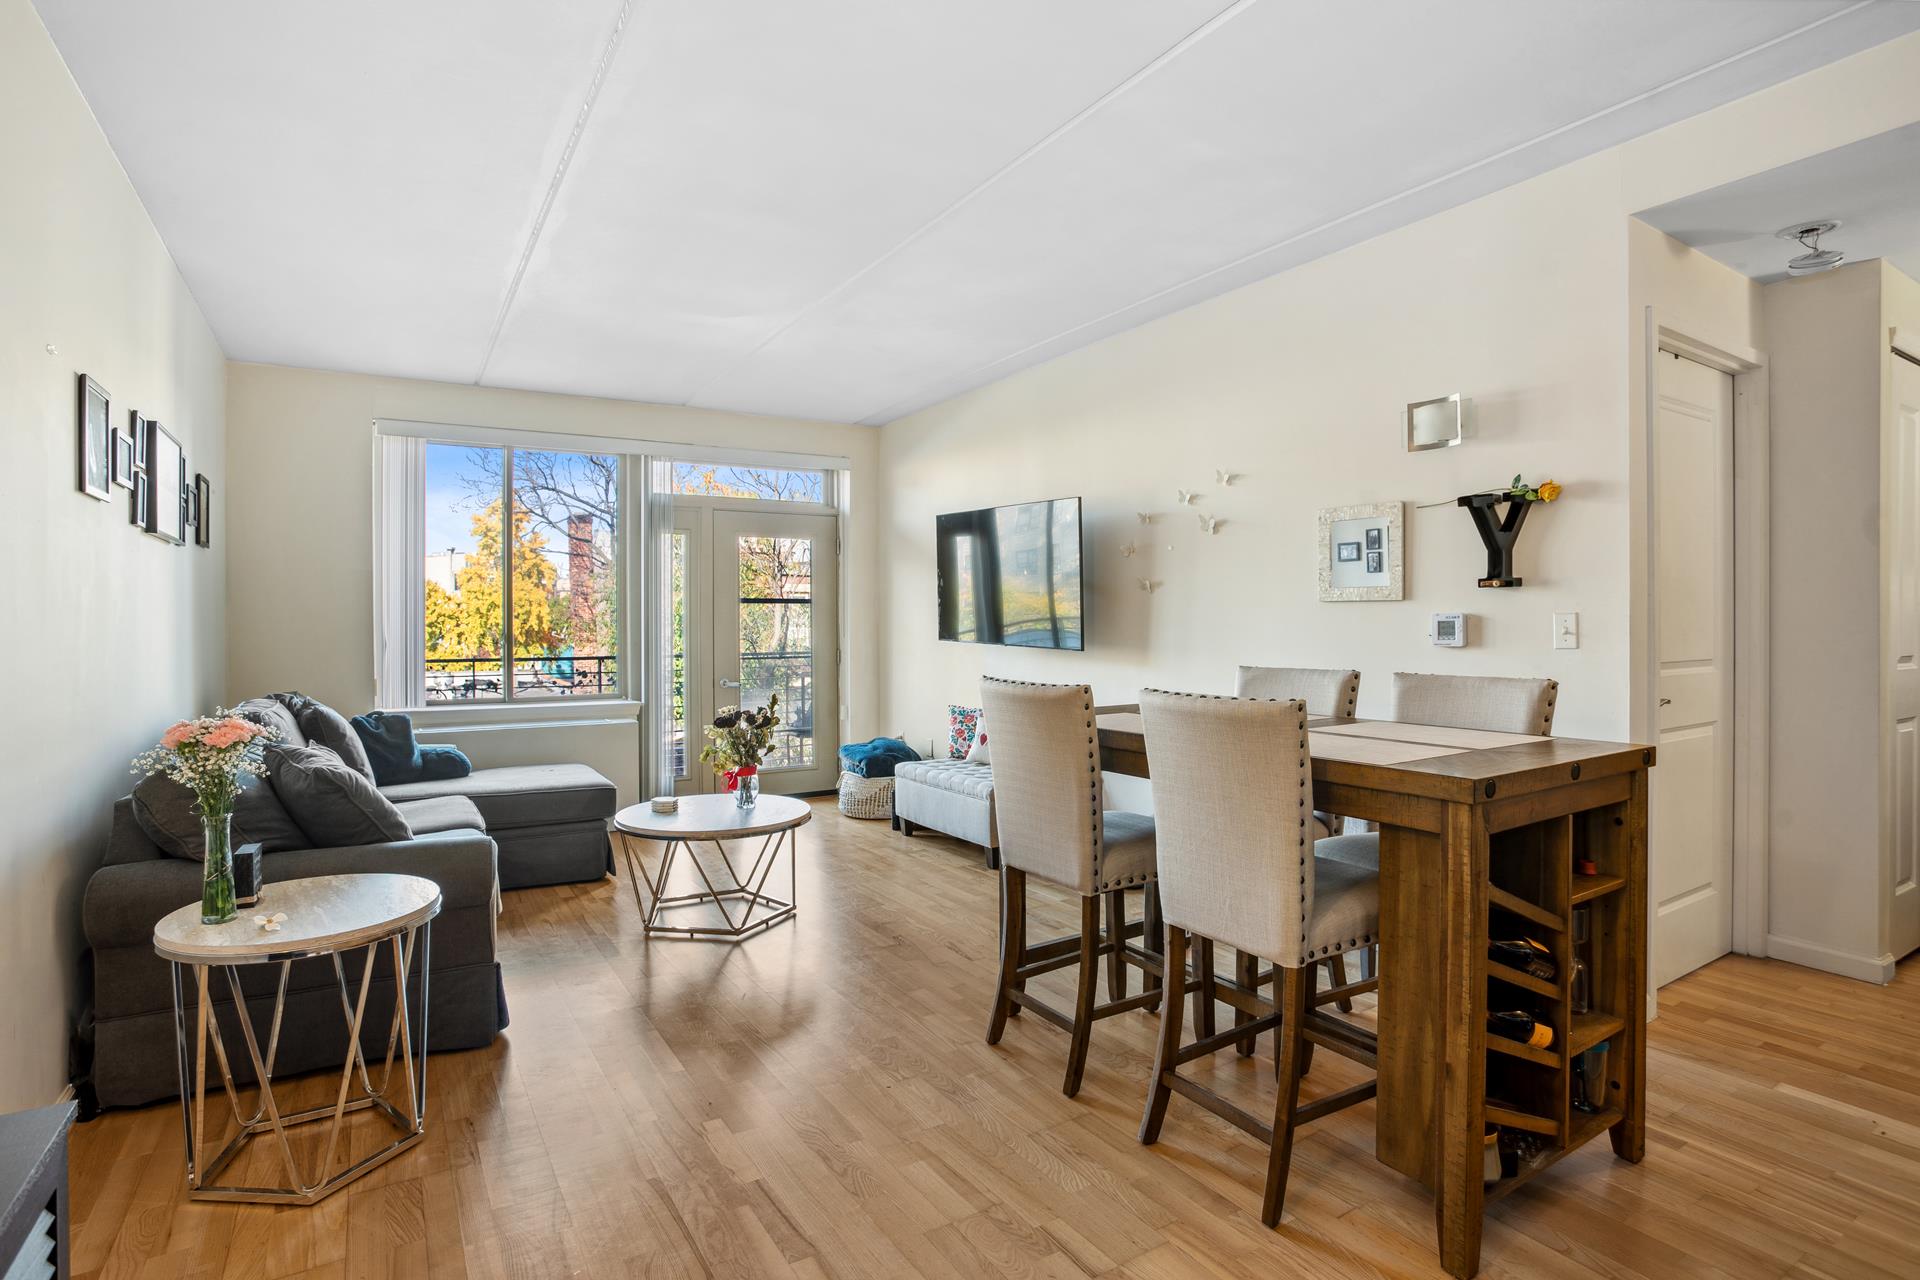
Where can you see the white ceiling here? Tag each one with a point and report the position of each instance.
(1872, 187)
(847, 210)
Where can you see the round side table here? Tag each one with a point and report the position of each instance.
(713, 819)
(325, 916)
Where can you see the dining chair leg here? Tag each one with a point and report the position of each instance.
(1203, 1025)
(1337, 976)
(1117, 939)
(1159, 1091)
(1246, 970)
(1310, 978)
(1083, 1001)
(1013, 932)
(1153, 938)
(1294, 996)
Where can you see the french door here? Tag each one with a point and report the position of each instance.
(756, 611)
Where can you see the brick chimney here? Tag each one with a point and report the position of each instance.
(580, 577)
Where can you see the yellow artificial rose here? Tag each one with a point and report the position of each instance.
(1549, 491)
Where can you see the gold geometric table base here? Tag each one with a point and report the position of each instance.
(748, 890)
(406, 1047)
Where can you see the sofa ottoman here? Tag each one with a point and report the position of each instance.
(954, 797)
(548, 820)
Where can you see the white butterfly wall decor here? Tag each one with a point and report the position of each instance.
(1146, 517)
(1225, 478)
(1208, 524)
(1147, 585)
(1185, 496)
(1128, 549)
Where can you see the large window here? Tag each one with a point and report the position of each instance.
(521, 595)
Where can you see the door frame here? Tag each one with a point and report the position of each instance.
(1752, 603)
(1903, 346)
(693, 514)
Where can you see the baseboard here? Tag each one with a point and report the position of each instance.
(66, 1095)
(1812, 955)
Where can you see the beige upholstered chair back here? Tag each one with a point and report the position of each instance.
(1327, 692)
(1047, 793)
(1233, 815)
(1500, 703)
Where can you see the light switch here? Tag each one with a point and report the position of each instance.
(1566, 631)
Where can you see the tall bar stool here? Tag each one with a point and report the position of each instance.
(1233, 804)
(1327, 691)
(1054, 824)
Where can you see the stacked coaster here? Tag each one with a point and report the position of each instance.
(665, 804)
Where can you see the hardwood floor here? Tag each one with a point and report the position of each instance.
(819, 1101)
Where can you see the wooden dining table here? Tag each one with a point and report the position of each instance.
(1485, 831)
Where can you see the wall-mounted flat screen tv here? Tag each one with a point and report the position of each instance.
(1011, 575)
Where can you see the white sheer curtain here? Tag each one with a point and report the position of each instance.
(656, 542)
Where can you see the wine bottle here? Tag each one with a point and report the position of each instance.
(1516, 1024)
(1526, 955)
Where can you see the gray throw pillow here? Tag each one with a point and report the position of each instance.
(325, 727)
(272, 714)
(165, 811)
(332, 803)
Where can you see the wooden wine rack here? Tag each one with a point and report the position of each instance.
(1533, 892)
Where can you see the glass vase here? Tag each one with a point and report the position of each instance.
(216, 891)
(746, 790)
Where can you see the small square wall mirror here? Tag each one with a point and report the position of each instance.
(1436, 424)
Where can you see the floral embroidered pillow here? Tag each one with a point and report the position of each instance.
(963, 725)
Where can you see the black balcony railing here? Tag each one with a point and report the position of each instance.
(478, 677)
(788, 674)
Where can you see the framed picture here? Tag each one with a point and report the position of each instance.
(137, 481)
(202, 511)
(166, 486)
(96, 441)
(122, 460)
(1363, 552)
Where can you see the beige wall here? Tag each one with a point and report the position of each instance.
(1826, 352)
(301, 458)
(110, 635)
(1298, 384)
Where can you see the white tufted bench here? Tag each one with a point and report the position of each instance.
(954, 797)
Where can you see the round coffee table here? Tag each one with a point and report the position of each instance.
(325, 916)
(713, 820)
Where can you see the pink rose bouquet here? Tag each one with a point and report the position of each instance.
(208, 756)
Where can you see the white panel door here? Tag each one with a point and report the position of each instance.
(1690, 849)
(1903, 569)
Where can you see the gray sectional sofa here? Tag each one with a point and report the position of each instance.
(473, 836)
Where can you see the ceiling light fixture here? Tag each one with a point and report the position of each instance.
(1815, 258)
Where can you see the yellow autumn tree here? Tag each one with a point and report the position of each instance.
(465, 622)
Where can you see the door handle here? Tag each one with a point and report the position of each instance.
(1666, 702)
(729, 684)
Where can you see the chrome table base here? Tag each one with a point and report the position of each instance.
(747, 892)
(406, 1048)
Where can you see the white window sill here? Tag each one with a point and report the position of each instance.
(559, 711)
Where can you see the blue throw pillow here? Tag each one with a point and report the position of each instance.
(875, 758)
(437, 764)
(388, 738)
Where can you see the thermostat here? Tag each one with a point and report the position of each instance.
(1448, 630)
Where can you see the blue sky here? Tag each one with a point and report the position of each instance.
(450, 508)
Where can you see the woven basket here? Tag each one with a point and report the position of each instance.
(866, 797)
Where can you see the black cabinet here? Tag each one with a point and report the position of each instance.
(33, 1193)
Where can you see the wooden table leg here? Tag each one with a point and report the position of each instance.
(1627, 1063)
(1459, 1195)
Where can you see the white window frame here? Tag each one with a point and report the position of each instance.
(399, 553)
